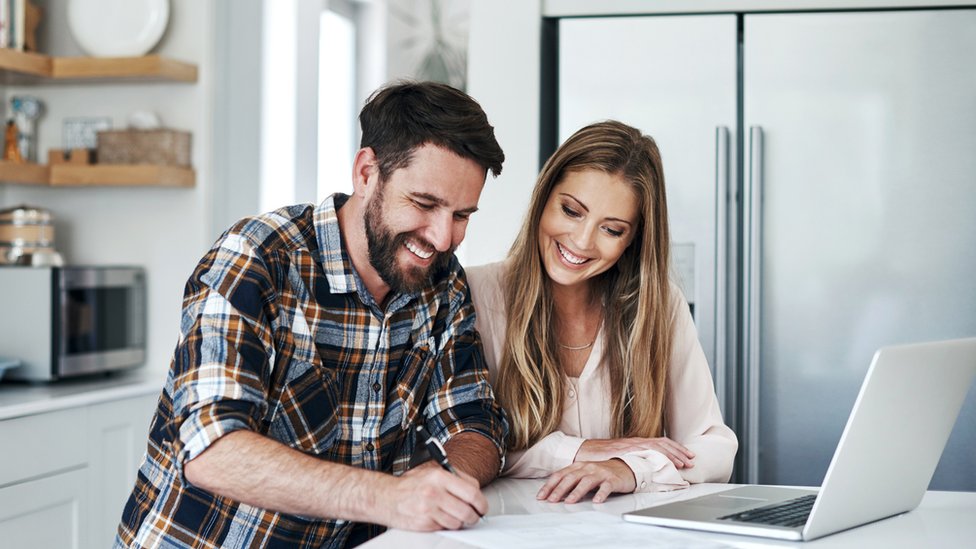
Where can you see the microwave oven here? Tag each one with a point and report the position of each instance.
(63, 322)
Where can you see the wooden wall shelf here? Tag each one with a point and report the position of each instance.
(18, 67)
(106, 175)
(26, 68)
(24, 63)
(24, 174)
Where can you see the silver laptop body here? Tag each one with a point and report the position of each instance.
(883, 463)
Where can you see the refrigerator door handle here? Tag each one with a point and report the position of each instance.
(753, 302)
(721, 257)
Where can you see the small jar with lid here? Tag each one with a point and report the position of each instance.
(27, 237)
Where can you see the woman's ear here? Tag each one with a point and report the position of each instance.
(365, 172)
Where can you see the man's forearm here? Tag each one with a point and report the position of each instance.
(474, 454)
(253, 469)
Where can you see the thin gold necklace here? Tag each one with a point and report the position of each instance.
(575, 348)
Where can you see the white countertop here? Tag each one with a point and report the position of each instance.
(943, 519)
(19, 399)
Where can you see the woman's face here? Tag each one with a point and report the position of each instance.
(588, 221)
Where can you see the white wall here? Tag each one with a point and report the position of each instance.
(309, 15)
(238, 35)
(165, 230)
(503, 75)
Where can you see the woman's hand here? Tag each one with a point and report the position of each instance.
(603, 449)
(575, 481)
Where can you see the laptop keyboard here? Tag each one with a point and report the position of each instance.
(791, 513)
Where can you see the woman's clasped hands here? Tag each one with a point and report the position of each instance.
(597, 467)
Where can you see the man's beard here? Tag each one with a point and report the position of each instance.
(384, 246)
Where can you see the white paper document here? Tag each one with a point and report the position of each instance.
(571, 530)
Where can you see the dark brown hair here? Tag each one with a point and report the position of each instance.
(399, 118)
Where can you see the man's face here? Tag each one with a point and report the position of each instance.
(417, 218)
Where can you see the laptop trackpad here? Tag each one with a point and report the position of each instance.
(728, 502)
(745, 497)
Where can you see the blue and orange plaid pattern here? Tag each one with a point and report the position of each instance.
(280, 337)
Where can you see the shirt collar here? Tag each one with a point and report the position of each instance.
(333, 257)
(338, 268)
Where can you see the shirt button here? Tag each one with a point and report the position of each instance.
(572, 394)
(377, 387)
(643, 485)
(369, 447)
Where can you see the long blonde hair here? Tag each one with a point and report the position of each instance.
(635, 292)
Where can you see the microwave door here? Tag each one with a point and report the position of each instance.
(103, 320)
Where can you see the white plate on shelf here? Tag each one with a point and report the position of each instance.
(117, 28)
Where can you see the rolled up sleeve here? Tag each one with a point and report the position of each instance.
(221, 365)
(460, 397)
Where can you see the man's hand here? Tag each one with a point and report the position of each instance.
(604, 449)
(575, 481)
(429, 498)
(286, 480)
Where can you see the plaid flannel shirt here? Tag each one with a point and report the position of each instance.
(280, 337)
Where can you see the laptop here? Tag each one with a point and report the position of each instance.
(883, 464)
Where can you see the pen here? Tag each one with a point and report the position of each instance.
(437, 453)
(435, 449)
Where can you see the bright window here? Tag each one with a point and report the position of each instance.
(278, 106)
(337, 103)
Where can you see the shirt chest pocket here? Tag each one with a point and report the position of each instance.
(305, 414)
(413, 377)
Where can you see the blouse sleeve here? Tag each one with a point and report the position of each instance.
(695, 419)
(653, 471)
(553, 452)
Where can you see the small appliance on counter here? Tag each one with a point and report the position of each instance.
(27, 237)
(7, 364)
(62, 322)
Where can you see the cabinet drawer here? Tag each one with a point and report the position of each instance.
(47, 512)
(37, 445)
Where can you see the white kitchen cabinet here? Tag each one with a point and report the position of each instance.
(65, 475)
(117, 434)
(41, 444)
(46, 513)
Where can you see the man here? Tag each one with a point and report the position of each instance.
(314, 339)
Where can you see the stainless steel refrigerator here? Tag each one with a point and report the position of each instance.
(821, 173)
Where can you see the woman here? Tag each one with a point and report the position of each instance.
(592, 350)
